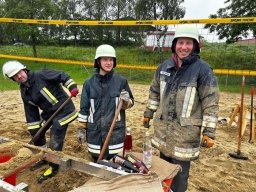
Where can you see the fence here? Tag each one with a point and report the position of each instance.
(135, 62)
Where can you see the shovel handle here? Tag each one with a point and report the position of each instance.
(252, 90)
(49, 120)
(111, 129)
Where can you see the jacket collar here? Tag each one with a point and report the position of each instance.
(170, 63)
(106, 77)
(31, 77)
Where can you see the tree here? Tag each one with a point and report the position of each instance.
(27, 9)
(69, 10)
(159, 10)
(1, 26)
(234, 32)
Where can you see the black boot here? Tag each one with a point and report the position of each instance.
(50, 172)
(38, 164)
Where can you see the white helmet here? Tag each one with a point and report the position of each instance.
(11, 68)
(187, 30)
(104, 51)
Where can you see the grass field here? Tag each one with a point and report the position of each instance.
(218, 55)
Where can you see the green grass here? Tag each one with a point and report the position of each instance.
(218, 55)
(77, 72)
(125, 55)
(234, 88)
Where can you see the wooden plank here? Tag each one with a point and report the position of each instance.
(234, 114)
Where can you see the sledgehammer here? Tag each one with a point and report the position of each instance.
(49, 120)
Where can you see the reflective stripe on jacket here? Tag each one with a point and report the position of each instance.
(185, 100)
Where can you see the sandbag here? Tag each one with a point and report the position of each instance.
(151, 182)
(125, 183)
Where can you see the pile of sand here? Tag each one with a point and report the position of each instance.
(215, 171)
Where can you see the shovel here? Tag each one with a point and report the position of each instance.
(111, 129)
(238, 154)
(48, 121)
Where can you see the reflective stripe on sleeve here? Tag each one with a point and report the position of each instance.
(210, 118)
(209, 121)
(69, 83)
(82, 118)
(73, 83)
(152, 104)
(209, 124)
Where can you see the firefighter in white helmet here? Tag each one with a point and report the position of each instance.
(99, 100)
(184, 96)
(41, 91)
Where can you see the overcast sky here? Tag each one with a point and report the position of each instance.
(201, 9)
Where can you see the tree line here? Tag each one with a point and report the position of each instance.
(83, 10)
(108, 10)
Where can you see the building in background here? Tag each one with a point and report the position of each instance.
(151, 40)
(246, 41)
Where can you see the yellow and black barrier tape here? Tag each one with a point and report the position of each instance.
(235, 72)
(132, 22)
(46, 60)
(125, 66)
(85, 63)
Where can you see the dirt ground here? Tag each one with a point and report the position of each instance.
(215, 171)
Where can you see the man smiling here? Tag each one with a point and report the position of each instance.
(184, 94)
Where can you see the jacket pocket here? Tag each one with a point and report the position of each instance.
(160, 128)
(93, 134)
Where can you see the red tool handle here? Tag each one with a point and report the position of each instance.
(252, 117)
(252, 90)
